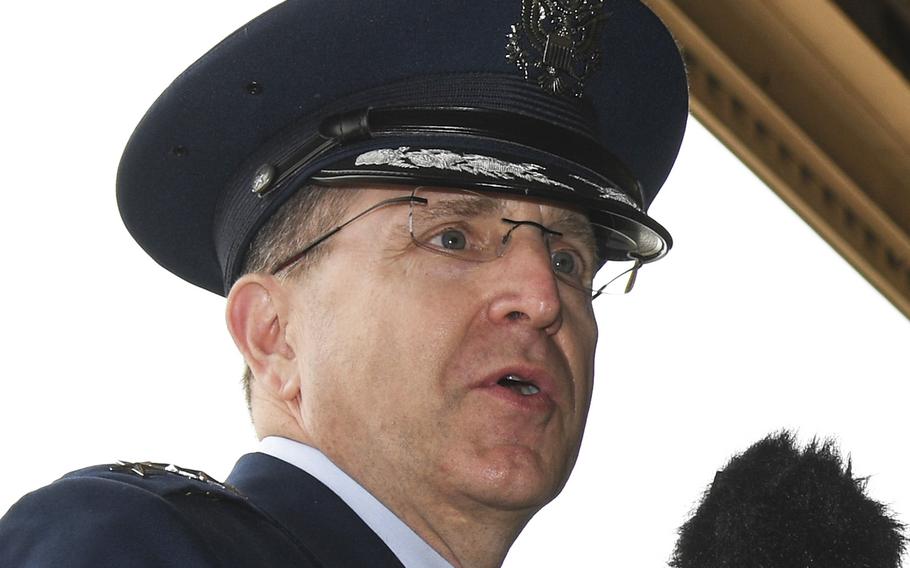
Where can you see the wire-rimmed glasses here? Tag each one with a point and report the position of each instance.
(472, 227)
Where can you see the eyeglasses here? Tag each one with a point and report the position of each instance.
(470, 227)
(298, 256)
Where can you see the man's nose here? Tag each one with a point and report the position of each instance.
(526, 288)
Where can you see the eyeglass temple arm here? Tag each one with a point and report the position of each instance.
(303, 252)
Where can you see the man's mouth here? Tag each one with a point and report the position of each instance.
(526, 387)
(519, 384)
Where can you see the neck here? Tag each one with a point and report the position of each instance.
(473, 538)
(466, 532)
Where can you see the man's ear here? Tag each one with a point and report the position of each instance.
(257, 319)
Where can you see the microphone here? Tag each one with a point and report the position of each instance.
(779, 506)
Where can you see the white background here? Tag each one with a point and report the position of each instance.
(751, 324)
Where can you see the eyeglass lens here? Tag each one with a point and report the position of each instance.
(473, 227)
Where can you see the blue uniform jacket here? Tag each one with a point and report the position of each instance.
(269, 513)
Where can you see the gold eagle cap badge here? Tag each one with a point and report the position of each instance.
(556, 43)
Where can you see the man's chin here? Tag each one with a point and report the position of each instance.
(511, 478)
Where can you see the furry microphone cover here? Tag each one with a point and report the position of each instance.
(777, 506)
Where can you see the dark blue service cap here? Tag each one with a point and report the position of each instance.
(582, 102)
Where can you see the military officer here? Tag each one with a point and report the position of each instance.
(410, 208)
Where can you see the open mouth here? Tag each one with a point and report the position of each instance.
(518, 384)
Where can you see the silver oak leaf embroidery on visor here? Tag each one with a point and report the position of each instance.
(608, 192)
(404, 157)
(476, 164)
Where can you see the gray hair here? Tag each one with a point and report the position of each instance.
(310, 212)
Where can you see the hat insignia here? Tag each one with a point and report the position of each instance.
(555, 44)
(474, 164)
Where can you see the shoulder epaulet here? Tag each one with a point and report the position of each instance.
(144, 469)
(161, 478)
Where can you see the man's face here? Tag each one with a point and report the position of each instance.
(402, 355)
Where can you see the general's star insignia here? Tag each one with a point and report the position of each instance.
(144, 469)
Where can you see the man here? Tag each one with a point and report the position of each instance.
(410, 207)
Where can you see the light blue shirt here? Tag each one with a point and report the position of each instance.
(410, 549)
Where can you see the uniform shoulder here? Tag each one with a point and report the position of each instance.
(123, 513)
(140, 514)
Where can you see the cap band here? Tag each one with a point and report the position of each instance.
(365, 124)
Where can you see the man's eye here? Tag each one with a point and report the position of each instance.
(565, 262)
(451, 239)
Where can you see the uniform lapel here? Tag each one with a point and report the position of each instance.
(312, 513)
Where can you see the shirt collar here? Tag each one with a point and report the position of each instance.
(410, 549)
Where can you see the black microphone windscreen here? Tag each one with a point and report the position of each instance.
(776, 506)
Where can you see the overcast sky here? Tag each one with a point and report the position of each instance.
(751, 324)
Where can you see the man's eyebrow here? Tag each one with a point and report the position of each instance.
(575, 226)
(462, 206)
